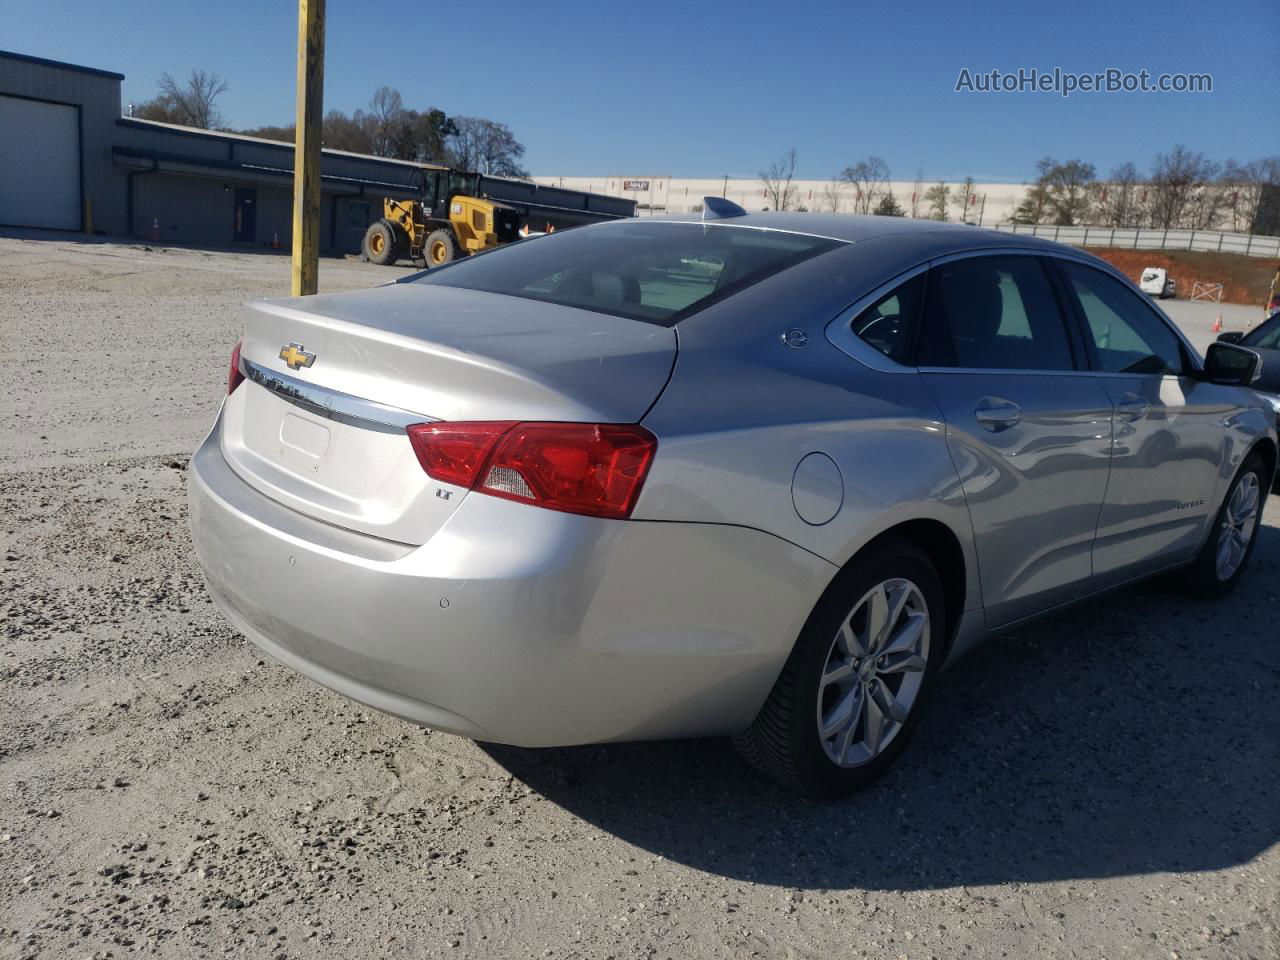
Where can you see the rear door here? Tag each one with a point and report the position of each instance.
(1169, 445)
(1029, 430)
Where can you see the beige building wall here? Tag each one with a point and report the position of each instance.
(660, 193)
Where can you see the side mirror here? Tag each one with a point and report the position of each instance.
(1231, 336)
(1231, 365)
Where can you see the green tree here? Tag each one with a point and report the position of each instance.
(936, 198)
(888, 207)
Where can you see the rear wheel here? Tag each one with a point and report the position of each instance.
(382, 243)
(852, 691)
(1220, 563)
(440, 248)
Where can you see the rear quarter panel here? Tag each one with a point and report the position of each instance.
(742, 409)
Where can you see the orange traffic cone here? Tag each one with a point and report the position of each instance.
(1217, 324)
(275, 240)
(155, 228)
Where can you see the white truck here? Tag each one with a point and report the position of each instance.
(1157, 283)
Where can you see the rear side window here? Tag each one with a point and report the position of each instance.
(1128, 336)
(996, 313)
(890, 323)
(657, 271)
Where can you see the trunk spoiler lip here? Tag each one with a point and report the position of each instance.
(332, 404)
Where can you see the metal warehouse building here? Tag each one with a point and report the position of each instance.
(69, 161)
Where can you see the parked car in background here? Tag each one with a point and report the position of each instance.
(750, 475)
(1264, 340)
(1156, 282)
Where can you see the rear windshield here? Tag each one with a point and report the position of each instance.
(657, 271)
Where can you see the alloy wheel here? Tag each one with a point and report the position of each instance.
(1239, 521)
(873, 673)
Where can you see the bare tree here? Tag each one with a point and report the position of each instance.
(1116, 202)
(777, 179)
(342, 132)
(917, 193)
(963, 197)
(1243, 186)
(1238, 189)
(384, 121)
(831, 199)
(1068, 185)
(485, 146)
(936, 197)
(191, 104)
(1179, 180)
(870, 178)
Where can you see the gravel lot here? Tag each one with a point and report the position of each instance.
(1102, 784)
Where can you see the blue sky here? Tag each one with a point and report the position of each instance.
(712, 88)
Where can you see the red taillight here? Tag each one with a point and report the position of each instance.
(455, 452)
(234, 376)
(595, 469)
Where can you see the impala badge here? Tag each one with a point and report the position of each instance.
(296, 357)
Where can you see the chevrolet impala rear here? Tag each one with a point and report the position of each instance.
(424, 496)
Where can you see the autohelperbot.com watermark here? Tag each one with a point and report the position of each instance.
(1065, 82)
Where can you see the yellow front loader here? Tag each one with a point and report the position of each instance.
(410, 229)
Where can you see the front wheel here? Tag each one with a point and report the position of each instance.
(440, 248)
(1220, 563)
(853, 689)
(381, 243)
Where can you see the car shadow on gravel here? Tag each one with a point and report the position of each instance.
(1132, 735)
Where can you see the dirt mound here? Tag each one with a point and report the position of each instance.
(1245, 280)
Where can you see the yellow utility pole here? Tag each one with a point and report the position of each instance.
(306, 155)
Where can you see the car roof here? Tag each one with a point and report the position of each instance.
(938, 237)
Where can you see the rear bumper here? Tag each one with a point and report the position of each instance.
(512, 623)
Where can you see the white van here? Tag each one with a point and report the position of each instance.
(1157, 282)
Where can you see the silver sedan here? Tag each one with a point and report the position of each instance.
(748, 475)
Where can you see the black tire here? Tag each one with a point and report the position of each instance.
(440, 248)
(1203, 577)
(783, 742)
(382, 243)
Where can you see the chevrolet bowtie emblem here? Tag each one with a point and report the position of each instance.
(296, 357)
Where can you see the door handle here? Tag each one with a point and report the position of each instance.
(1132, 407)
(996, 413)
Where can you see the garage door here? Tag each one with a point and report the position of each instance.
(39, 164)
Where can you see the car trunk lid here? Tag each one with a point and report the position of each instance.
(334, 379)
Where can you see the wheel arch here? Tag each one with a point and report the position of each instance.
(942, 545)
(1266, 448)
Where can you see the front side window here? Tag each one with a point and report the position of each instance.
(1266, 336)
(658, 272)
(993, 313)
(1128, 336)
(890, 323)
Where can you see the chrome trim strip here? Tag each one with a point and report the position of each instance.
(332, 404)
